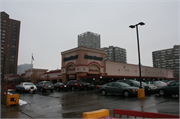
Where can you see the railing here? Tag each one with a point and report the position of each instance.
(135, 114)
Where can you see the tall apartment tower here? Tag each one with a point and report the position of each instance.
(115, 54)
(168, 59)
(90, 40)
(10, 31)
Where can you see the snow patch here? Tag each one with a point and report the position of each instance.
(21, 102)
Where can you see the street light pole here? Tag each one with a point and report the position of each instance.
(139, 56)
(133, 26)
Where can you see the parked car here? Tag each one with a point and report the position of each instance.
(165, 81)
(75, 84)
(88, 86)
(61, 86)
(26, 87)
(154, 84)
(151, 85)
(118, 88)
(171, 89)
(136, 84)
(45, 85)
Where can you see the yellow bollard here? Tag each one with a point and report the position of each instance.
(96, 114)
(12, 100)
(141, 93)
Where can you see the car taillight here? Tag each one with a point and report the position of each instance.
(61, 86)
(89, 85)
(44, 85)
(68, 86)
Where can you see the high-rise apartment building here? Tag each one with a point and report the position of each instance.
(90, 40)
(168, 59)
(10, 31)
(115, 54)
(21, 68)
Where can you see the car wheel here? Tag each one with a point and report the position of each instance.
(16, 90)
(161, 92)
(52, 90)
(42, 90)
(103, 92)
(72, 88)
(58, 89)
(126, 93)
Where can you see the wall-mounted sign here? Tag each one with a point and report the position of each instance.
(93, 57)
(93, 70)
(71, 69)
(70, 58)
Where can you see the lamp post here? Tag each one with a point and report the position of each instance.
(133, 26)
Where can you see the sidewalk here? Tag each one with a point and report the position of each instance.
(11, 112)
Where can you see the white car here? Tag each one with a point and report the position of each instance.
(26, 87)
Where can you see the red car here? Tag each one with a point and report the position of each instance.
(74, 84)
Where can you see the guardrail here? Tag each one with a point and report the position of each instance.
(135, 114)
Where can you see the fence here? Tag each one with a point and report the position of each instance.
(135, 114)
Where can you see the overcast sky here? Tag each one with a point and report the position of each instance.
(50, 27)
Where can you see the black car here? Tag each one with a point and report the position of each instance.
(120, 88)
(61, 86)
(171, 89)
(45, 85)
(75, 84)
(88, 86)
(136, 84)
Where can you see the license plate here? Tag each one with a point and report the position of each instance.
(49, 86)
(80, 84)
(31, 89)
(64, 86)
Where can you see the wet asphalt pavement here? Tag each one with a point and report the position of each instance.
(72, 104)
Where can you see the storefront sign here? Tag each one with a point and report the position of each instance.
(93, 70)
(70, 58)
(93, 57)
(71, 69)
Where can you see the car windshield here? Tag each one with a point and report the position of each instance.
(123, 84)
(135, 82)
(48, 83)
(159, 82)
(28, 84)
(144, 83)
(60, 83)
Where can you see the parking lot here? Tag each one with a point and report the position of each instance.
(72, 104)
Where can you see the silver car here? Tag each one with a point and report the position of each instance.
(120, 88)
(155, 84)
(26, 87)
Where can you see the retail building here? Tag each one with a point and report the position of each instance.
(89, 64)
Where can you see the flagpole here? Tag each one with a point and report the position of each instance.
(31, 66)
